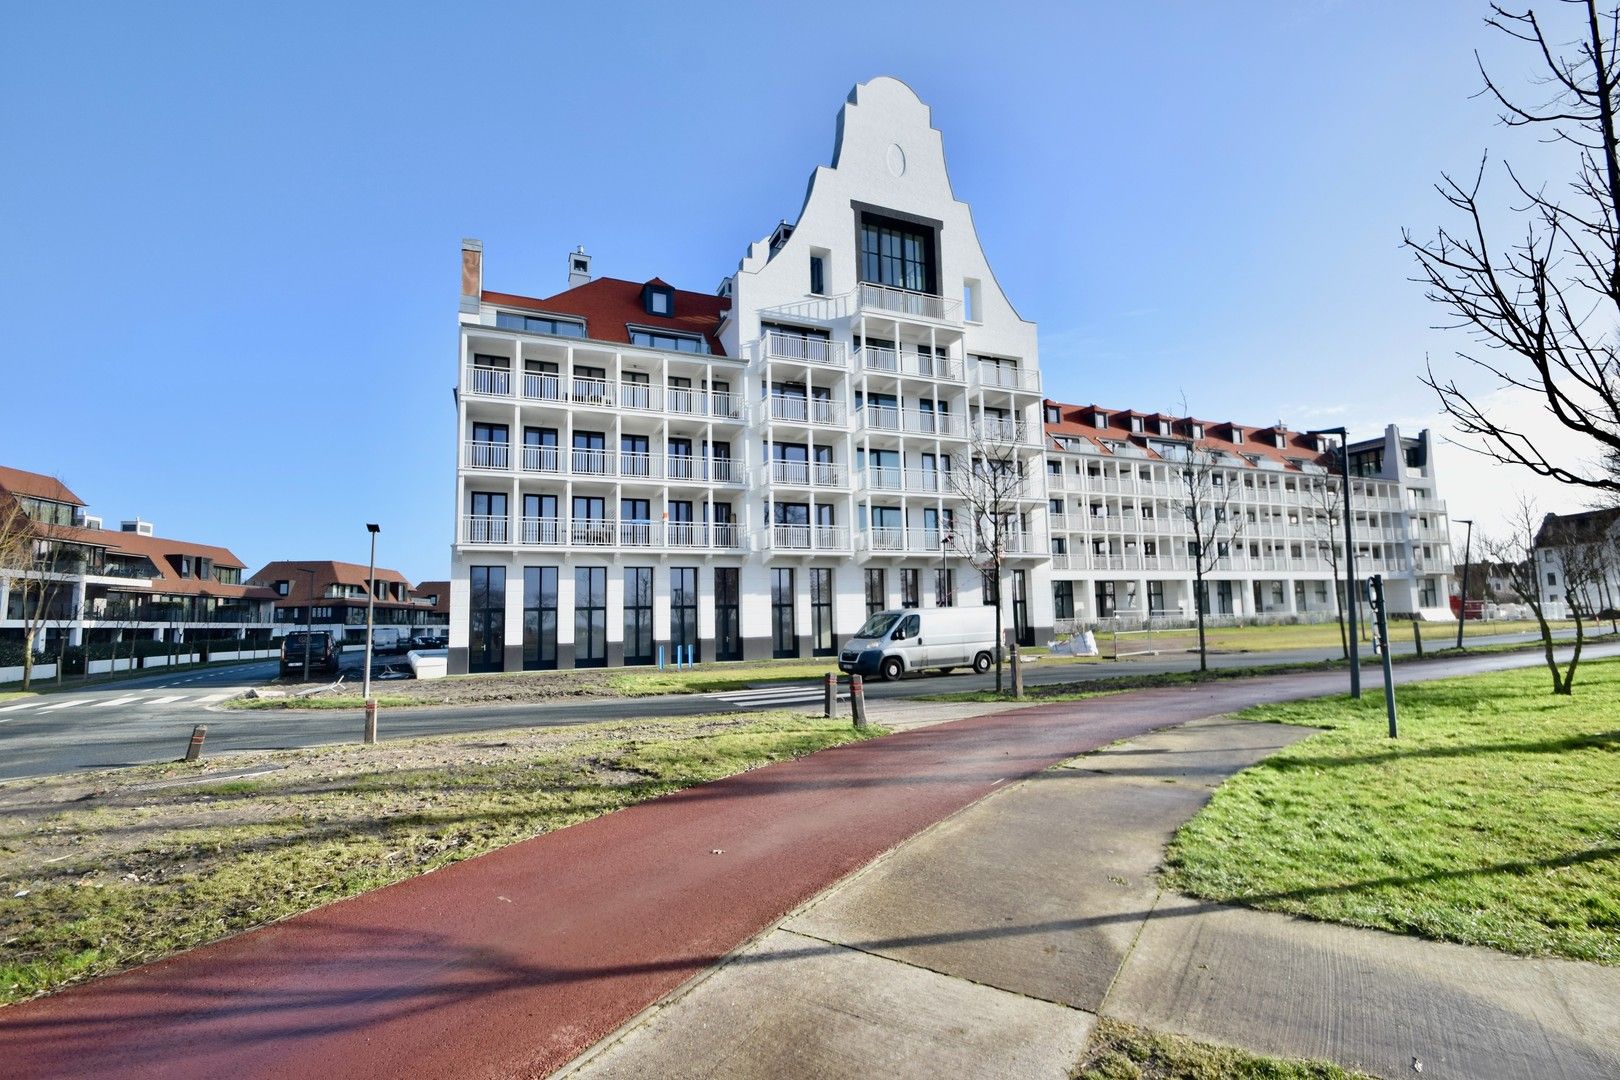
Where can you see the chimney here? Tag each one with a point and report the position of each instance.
(472, 275)
(579, 267)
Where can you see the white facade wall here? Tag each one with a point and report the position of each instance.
(954, 358)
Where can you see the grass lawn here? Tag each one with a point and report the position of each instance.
(1229, 639)
(101, 871)
(1492, 820)
(1125, 1052)
(12, 695)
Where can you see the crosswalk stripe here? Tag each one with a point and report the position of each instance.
(114, 701)
(66, 704)
(768, 691)
(24, 705)
(209, 699)
(164, 700)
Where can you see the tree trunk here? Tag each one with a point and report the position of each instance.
(1547, 648)
(1198, 601)
(1575, 657)
(1338, 611)
(28, 657)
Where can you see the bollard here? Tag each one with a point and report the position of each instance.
(1017, 672)
(1417, 636)
(691, 656)
(660, 658)
(371, 721)
(857, 700)
(198, 734)
(830, 695)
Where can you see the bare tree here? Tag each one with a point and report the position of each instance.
(989, 479)
(1206, 491)
(1515, 551)
(37, 567)
(1544, 308)
(1326, 527)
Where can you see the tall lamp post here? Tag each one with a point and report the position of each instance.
(1462, 589)
(371, 601)
(1349, 555)
(309, 620)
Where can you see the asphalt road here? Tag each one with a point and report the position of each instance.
(150, 719)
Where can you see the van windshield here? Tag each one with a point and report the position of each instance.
(878, 625)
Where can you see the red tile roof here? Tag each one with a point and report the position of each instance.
(328, 572)
(610, 306)
(1077, 421)
(36, 485)
(439, 590)
(156, 549)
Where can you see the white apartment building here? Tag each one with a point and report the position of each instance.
(1578, 563)
(747, 474)
(1122, 543)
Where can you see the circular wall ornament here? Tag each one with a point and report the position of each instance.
(897, 160)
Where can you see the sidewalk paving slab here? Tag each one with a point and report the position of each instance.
(796, 1008)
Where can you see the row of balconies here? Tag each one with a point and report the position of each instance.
(1069, 481)
(597, 533)
(602, 464)
(1175, 525)
(604, 393)
(558, 532)
(1083, 560)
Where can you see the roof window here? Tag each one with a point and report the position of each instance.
(658, 299)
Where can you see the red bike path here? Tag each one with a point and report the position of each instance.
(512, 963)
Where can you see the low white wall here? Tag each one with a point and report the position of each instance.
(15, 674)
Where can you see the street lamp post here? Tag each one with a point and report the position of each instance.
(1349, 555)
(371, 600)
(1462, 589)
(309, 620)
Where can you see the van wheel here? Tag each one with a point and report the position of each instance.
(892, 669)
(982, 662)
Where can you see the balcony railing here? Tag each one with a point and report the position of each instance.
(802, 348)
(798, 410)
(545, 386)
(809, 537)
(480, 454)
(993, 429)
(541, 459)
(807, 473)
(899, 362)
(599, 532)
(911, 421)
(918, 305)
(1006, 377)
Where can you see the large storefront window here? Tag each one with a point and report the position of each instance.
(727, 614)
(1063, 599)
(539, 617)
(1021, 625)
(486, 642)
(877, 591)
(784, 631)
(683, 611)
(590, 616)
(638, 615)
(822, 641)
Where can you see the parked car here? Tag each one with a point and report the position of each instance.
(892, 643)
(324, 651)
(430, 639)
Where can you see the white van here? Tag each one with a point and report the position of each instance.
(915, 639)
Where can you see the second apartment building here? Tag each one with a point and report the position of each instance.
(747, 474)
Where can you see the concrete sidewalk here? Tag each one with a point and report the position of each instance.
(987, 946)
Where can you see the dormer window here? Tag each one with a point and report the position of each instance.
(1138, 425)
(1053, 414)
(1197, 430)
(1099, 419)
(1282, 440)
(1164, 427)
(658, 299)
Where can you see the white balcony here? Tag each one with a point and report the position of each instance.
(1006, 377)
(997, 430)
(628, 395)
(817, 474)
(913, 363)
(911, 421)
(485, 529)
(488, 381)
(820, 412)
(907, 303)
(541, 459)
(808, 538)
(802, 349)
(888, 478)
(481, 454)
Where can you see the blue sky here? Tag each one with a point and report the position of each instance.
(229, 233)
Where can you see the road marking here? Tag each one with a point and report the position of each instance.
(66, 704)
(209, 699)
(761, 697)
(24, 705)
(114, 701)
(165, 700)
